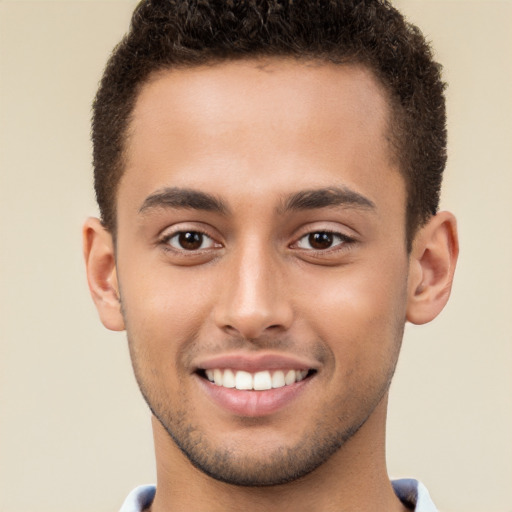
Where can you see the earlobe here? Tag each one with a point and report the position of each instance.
(98, 247)
(432, 265)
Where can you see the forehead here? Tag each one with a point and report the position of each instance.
(271, 124)
(248, 91)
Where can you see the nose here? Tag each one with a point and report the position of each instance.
(253, 300)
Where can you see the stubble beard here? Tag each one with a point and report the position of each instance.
(282, 465)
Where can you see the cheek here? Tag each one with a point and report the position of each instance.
(164, 311)
(360, 314)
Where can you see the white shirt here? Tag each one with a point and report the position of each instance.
(409, 491)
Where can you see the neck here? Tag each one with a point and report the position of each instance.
(354, 478)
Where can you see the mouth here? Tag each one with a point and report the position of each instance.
(254, 381)
(255, 385)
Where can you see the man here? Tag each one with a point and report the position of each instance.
(268, 175)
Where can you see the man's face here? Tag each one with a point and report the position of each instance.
(261, 244)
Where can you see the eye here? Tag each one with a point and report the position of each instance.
(190, 241)
(322, 240)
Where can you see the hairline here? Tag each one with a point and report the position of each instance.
(393, 123)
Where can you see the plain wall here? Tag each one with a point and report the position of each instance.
(74, 434)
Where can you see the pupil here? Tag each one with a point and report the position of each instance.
(191, 240)
(321, 240)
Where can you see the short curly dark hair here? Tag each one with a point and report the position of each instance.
(168, 34)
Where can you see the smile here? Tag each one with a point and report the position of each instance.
(254, 393)
(258, 381)
(255, 385)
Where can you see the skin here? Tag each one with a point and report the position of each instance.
(256, 137)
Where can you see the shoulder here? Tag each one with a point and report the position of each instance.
(139, 499)
(413, 494)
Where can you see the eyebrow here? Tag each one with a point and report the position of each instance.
(184, 198)
(325, 197)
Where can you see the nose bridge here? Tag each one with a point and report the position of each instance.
(254, 298)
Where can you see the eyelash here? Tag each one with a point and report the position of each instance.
(343, 241)
(165, 241)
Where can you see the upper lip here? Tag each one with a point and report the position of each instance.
(256, 362)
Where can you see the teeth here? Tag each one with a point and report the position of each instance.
(217, 377)
(258, 381)
(300, 375)
(262, 380)
(228, 380)
(243, 380)
(289, 378)
(278, 379)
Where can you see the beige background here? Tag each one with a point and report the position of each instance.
(74, 434)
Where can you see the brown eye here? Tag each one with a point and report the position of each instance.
(322, 240)
(190, 241)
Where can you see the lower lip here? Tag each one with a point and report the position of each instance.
(253, 403)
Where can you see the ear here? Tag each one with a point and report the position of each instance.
(432, 264)
(98, 247)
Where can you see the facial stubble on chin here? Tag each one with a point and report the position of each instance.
(283, 464)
